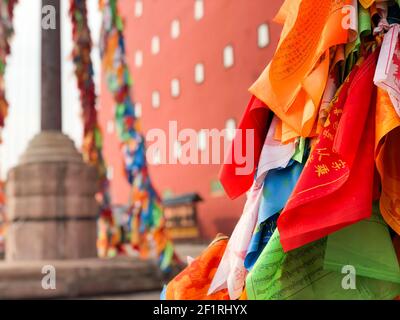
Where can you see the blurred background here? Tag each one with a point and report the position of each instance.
(192, 61)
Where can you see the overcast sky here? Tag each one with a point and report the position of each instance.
(23, 79)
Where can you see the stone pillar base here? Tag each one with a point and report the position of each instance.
(78, 278)
(51, 202)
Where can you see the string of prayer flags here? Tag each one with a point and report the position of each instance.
(231, 273)
(92, 136)
(6, 32)
(146, 214)
(324, 217)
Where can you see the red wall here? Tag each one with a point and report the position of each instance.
(223, 94)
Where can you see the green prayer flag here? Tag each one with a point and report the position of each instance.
(299, 274)
(352, 48)
(167, 256)
(157, 214)
(98, 138)
(364, 23)
(367, 246)
(300, 149)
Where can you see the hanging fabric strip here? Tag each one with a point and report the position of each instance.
(387, 153)
(335, 187)
(300, 275)
(293, 83)
(92, 136)
(6, 32)
(367, 247)
(274, 154)
(147, 218)
(231, 272)
(193, 282)
(278, 185)
(237, 173)
(387, 74)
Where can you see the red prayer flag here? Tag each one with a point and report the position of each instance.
(255, 118)
(335, 188)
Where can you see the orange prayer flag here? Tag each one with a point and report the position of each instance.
(386, 118)
(278, 130)
(287, 133)
(387, 154)
(389, 169)
(194, 281)
(293, 83)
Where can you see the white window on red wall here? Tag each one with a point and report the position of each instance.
(155, 45)
(156, 157)
(229, 57)
(199, 73)
(155, 99)
(138, 58)
(175, 88)
(138, 109)
(110, 126)
(175, 29)
(263, 35)
(198, 9)
(230, 127)
(138, 8)
(110, 172)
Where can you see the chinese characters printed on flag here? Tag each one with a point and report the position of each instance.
(334, 189)
(387, 75)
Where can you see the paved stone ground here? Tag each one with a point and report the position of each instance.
(183, 249)
(152, 295)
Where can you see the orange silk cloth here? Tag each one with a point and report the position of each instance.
(387, 152)
(194, 281)
(293, 83)
(335, 187)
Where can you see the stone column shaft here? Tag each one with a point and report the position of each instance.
(51, 73)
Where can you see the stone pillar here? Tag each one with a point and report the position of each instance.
(51, 193)
(51, 202)
(52, 210)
